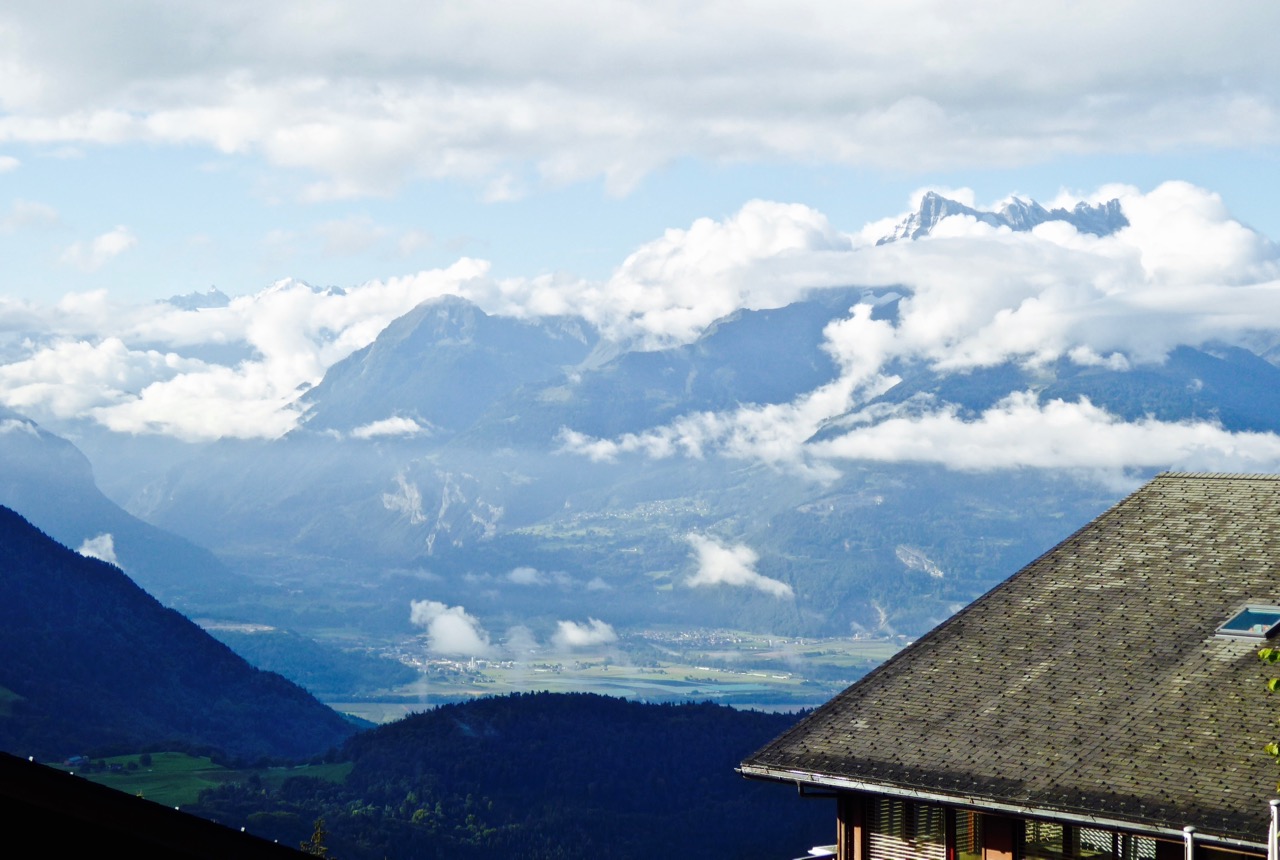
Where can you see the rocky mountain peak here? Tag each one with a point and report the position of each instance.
(1020, 215)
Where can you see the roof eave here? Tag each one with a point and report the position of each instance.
(844, 783)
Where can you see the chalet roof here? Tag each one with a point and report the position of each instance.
(1090, 684)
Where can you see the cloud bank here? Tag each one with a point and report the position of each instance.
(508, 95)
(1184, 272)
(973, 296)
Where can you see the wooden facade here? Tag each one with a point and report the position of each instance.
(876, 827)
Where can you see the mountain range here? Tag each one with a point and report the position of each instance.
(1099, 219)
(440, 459)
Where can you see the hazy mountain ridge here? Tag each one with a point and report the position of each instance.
(460, 446)
(469, 505)
(97, 663)
(442, 366)
(49, 481)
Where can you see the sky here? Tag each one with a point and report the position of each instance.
(653, 165)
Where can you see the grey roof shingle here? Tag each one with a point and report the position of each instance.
(1089, 683)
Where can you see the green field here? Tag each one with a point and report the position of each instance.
(176, 779)
(744, 670)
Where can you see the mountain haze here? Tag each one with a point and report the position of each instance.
(844, 458)
(92, 662)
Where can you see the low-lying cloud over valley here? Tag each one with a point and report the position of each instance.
(970, 296)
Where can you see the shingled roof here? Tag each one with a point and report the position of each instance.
(1089, 685)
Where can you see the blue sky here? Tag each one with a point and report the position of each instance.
(651, 166)
(232, 144)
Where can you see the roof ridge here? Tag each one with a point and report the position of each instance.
(1222, 476)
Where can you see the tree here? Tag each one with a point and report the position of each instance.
(1271, 656)
(315, 845)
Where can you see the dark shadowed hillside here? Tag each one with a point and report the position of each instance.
(545, 775)
(90, 661)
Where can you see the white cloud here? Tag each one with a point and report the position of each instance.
(520, 643)
(720, 564)
(450, 629)
(1183, 272)
(368, 96)
(396, 426)
(86, 353)
(571, 634)
(1020, 432)
(93, 255)
(527, 576)
(26, 213)
(8, 163)
(18, 425)
(102, 547)
(69, 378)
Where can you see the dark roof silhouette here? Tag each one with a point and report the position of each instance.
(65, 815)
(1090, 685)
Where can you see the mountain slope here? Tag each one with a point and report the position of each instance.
(545, 776)
(50, 482)
(96, 662)
(442, 365)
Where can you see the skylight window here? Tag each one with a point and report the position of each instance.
(1252, 622)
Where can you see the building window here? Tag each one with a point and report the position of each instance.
(968, 837)
(1254, 621)
(902, 830)
(1044, 841)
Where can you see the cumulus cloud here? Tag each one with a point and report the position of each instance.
(571, 634)
(970, 296)
(96, 253)
(127, 366)
(102, 547)
(493, 92)
(396, 426)
(78, 377)
(721, 564)
(8, 162)
(450, 629)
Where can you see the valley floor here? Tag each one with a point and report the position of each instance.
(743, 670)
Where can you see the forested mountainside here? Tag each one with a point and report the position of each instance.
(92, 663)
(544, 776)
